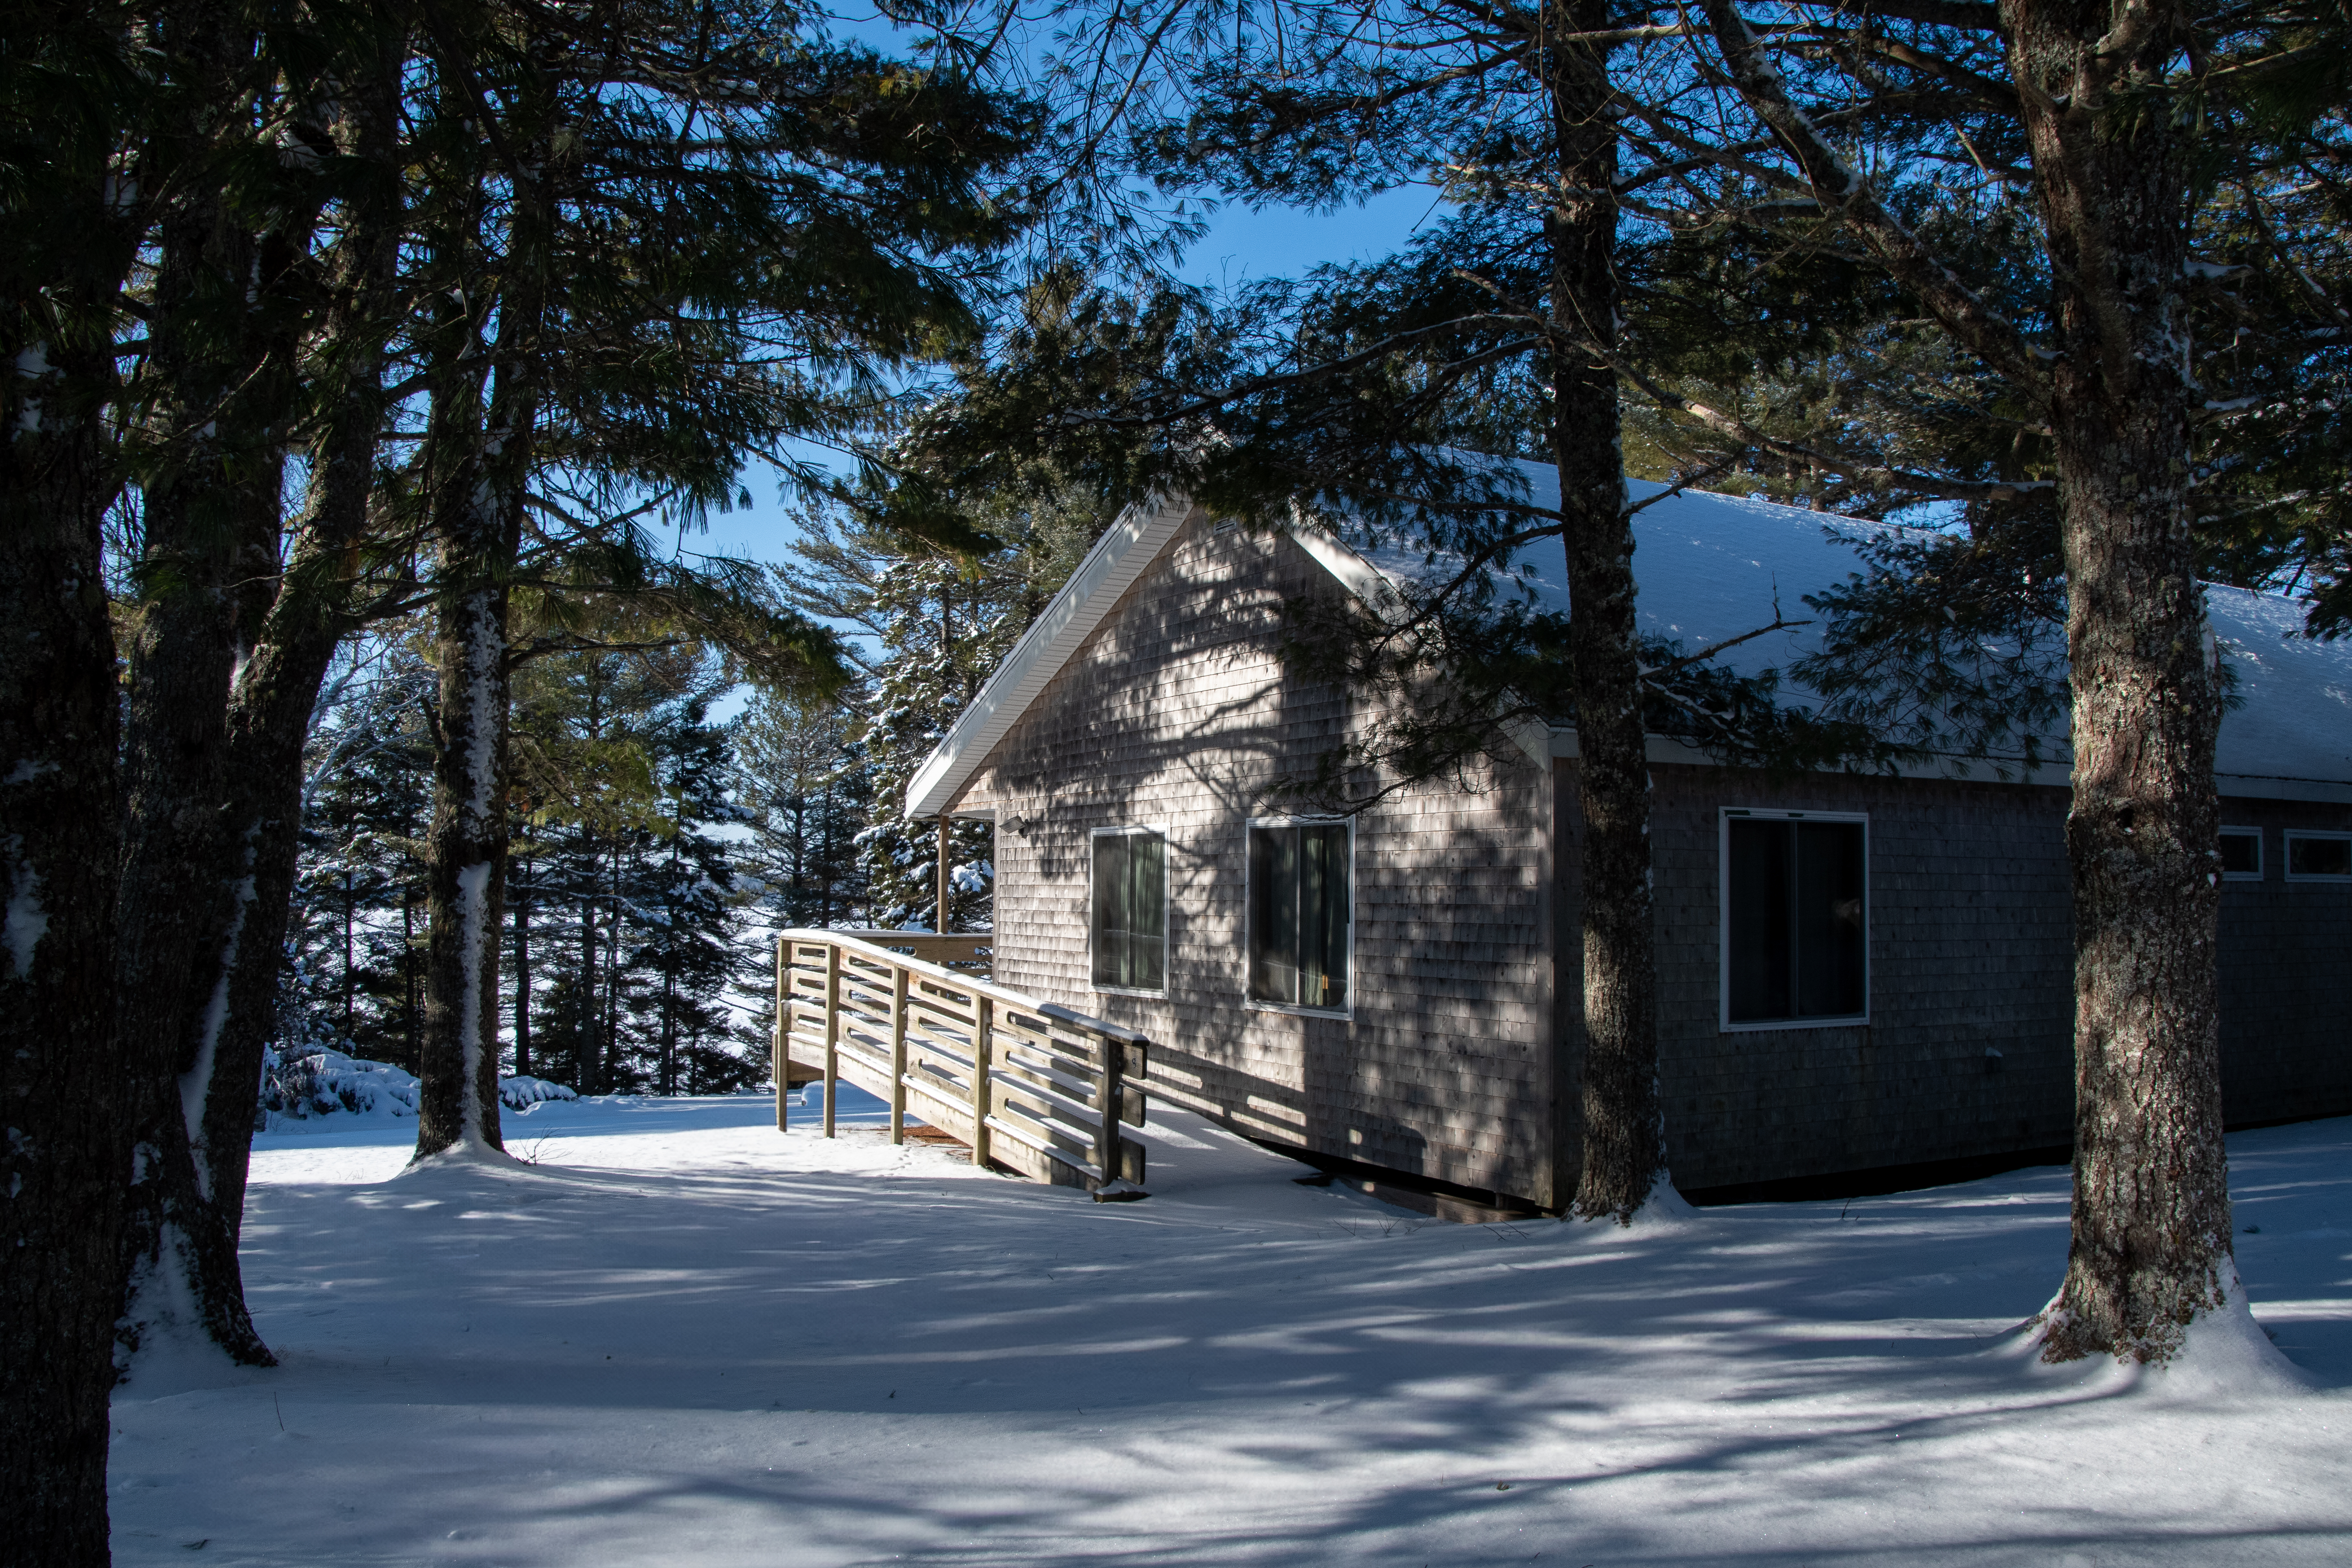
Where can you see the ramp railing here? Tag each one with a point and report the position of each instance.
(1031, 1086)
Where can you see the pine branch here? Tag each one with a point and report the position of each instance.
(1841, 189)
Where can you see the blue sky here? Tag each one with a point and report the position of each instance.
(1240, 245)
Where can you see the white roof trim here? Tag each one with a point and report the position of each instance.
(1109, 569)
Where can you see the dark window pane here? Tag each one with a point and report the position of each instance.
(1758, 918)
(1797, 919)
(1130, 914)
(1274, 914)
(2242, 854)
(1110, 866)
(1830, 918)
(1323, 907)
(1147, 917)
(2320, 856)
(1299, 894)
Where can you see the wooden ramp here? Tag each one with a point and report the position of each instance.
(1032, 1087)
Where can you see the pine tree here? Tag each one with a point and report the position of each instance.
(634, 299)
(2109, 122)
(70, 85)
(802, 782)
(689, 909)
(943, 622)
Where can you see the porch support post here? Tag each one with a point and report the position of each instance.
(983, 1027)
(899, 1056)
(831, 1028)
(1114, 1056)
(943, 924)
(782, 1045)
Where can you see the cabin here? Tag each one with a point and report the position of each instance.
(1858, 973)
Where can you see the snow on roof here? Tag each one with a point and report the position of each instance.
(1710, 568)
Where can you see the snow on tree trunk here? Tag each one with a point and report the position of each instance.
(2151, 1247)
(277, 688)
(1623, 1137)
(209, 540)
(64, 1148)
(458, 1102)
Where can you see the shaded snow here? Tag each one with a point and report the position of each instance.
(683, 1337)
(1711, 567)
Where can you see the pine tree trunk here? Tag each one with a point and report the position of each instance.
(611, 1001)
(457, 1101)
(210, 542)
(587, 1054)
(2151, 1249)
(227, 1009)
(477, 522)
(1624, 1138)
(485, 460)
(67, 1151)
(270, 707)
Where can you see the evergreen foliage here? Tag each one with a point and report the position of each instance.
(941, 625)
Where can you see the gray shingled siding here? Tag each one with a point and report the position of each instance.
(2287, 1048)
(1970, 952)
(1176, 715)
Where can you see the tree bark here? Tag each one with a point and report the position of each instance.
(65, 1152)
(2151, 1249)
(458, 1102)
(275, 690)
(477, 524)
(483, 461)
(210, 534)
(1624, 1135)
(587, 1055)
(2151, 1246)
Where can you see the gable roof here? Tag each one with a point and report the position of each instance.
(1710, 567)
(1132, 542)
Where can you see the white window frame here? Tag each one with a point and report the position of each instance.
(1725, 816)
(2286, 857)
(1249, 904)
(1166, 844)
(2261, 868)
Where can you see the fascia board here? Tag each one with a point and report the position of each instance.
(1131, 542)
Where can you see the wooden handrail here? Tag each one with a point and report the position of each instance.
(1032, 1086)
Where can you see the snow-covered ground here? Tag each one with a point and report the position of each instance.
(682, 1337)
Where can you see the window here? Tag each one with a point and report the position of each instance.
(1796, 919)
(2242, 854)
(1130, 899)
(1301, 902)
(2318, 857)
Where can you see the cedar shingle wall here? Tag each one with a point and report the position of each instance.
(1176, 715)
(1971, 951)
(2286, 1047)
